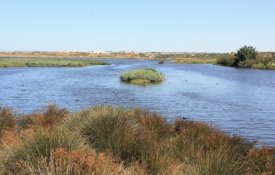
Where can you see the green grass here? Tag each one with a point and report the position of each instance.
(107, 140)
(142, 76)
(47, 62)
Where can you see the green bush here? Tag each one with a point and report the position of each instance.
(142, 76)
(246, 53)
(245, 57)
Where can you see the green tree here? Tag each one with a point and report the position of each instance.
(245, 54)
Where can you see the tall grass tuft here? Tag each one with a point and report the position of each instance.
(7, 120)
(47, 118)
(38, 145)
(78, 162)
(160, 146)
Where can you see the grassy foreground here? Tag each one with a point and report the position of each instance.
(142, 76)
(106, 140)
(47, 62)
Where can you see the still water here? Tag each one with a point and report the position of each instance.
(238, 101)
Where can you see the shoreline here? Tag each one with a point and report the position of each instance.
(186, 58)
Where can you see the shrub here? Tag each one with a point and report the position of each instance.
(142, 76)
(225, 60)
(246, 53)
(245, 57)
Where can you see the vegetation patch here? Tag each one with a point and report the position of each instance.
(47, 62)
(247, 57)
(142, 76)
(107, 140)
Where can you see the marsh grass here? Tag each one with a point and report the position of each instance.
(7, 120)
(40, 144)
(107, 140)
(78, 162)
(47, 62)
(183, 60)
(142, 76)
(159, 146)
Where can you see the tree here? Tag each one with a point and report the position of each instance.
(246, 53)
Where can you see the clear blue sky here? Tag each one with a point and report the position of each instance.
(138, 25)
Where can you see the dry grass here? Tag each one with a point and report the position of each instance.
(78, 162)
(7, 127)
(7, 120)
(106, 140)
(46, 118)
(192, 60)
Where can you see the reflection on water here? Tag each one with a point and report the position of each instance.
(236, 100)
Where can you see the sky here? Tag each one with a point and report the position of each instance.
(137, 25)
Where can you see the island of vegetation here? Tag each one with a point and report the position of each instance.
(247, 57)
(107, 140)
(142, 76)
(47, 62)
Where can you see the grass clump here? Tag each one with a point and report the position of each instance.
(142, 76)
(38, 145)
(78, 162)
(7, 123)
(47, 62)
(46, 118)
(162, 147)
(107, 140)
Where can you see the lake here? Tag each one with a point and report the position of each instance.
(240, 101)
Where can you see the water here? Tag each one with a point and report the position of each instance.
(239, 101)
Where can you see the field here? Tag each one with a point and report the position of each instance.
(107, 140)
